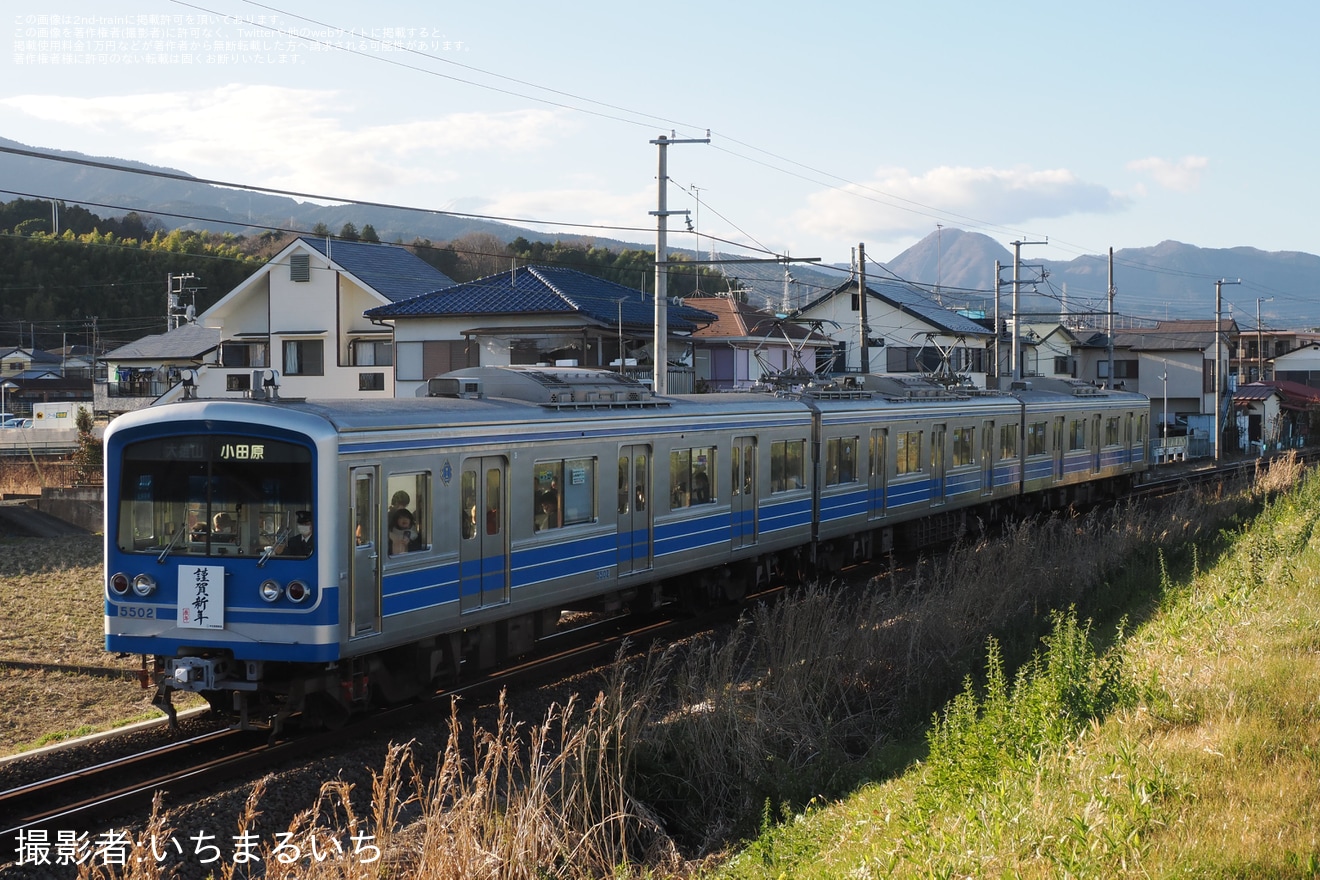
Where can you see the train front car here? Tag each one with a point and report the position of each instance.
(217, 570)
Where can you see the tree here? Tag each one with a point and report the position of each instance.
(369, 233)
(349, 232)
(320, 230)
(87, 457)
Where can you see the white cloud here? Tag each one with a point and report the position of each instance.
(1182, 175)
(579, 205)
(308, 140)
(896, 203)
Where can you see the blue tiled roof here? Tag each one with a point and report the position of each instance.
(392, 271)
(545, 290)
(909, 299)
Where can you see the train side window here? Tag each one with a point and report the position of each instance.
(1112, 434)
(907, 452)
(787, 469)
(1036, 443)
(691, 476)
(565, 492)
(840, 460)
(411, 493)
(1008, 442)
(964, 445)
(1077, 434)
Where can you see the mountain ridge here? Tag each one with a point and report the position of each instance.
(1170, 279)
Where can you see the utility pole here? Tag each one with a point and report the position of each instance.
(994, 367)
(1219, 374)
(176, 313)
(1017, 314)
(865, 363)
(1110, 334)
(1260, 338)
(660, 384)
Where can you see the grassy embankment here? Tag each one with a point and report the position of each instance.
(1191, 747)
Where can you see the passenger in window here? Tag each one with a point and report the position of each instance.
(404, 536)
(680, 495)
(222, 527)
(400, 500)
(547, 508)
(700, 488)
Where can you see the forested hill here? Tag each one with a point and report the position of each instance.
(110, 276)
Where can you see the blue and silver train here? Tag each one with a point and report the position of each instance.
(300, 556)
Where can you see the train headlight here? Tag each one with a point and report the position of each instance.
(119, 584)
(297, 591)
(270, 590)
(144, 585)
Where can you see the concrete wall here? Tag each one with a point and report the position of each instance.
(82, 506)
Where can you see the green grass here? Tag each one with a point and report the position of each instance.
(1189, 748)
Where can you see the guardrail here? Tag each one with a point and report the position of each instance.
(38, 441)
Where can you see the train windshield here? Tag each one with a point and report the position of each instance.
(215, 495)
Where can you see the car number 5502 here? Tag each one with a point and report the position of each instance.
(143, 611)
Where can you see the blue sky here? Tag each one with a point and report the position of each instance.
(832, 123)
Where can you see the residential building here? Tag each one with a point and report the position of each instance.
(907, 332)
(299, 317)
(745, 345)
(535, 315)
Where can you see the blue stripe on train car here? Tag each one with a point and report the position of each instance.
(416, 590)
(563, 559)
(842, 505)
(695, 533)
(791, 514)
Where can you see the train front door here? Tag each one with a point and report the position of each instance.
(634, 523)
(742, 493)
(483, 546)
(364, 578)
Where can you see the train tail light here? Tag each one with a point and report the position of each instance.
(119, 584)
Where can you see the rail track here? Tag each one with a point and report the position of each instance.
(122, 790)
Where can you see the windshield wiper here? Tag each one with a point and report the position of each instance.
(280, 537)
(183, 527)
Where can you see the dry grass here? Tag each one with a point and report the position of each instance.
(51, 613)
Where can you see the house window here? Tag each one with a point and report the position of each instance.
(371, 381)
(1125, 369)
(238, 382)
(300, 267)
(304, 357)
(419, 361)
(373, 353)
(244, 354)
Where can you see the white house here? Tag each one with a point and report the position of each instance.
(907, 332)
